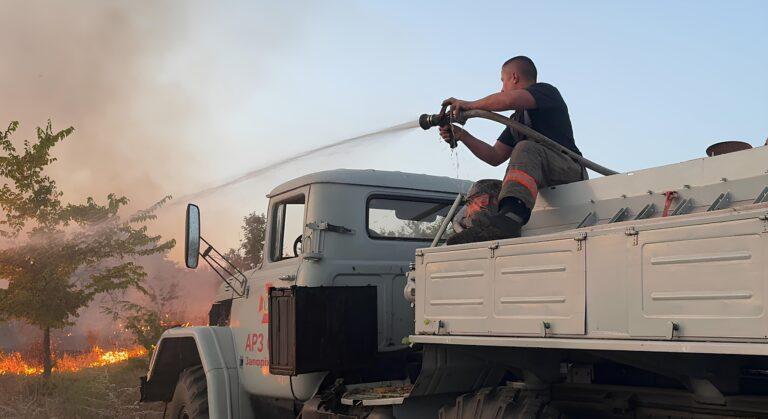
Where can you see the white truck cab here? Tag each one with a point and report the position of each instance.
(339, 228)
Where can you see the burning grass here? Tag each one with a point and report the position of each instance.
(14, 362)
(107, 391)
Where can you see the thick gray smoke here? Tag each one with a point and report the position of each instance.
(106, 69)
(98, 66)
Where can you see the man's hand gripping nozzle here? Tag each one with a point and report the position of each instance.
(442, 119)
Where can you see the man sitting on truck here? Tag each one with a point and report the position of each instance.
(531, 165)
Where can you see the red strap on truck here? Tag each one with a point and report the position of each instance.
(670, 196)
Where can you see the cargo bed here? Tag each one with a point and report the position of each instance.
(619, 281)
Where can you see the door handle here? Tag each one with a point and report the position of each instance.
(287, 277)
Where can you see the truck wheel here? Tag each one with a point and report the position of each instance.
(190, 399)
(501, 403)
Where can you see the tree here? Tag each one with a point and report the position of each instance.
(250, 252)
(74, 252)
(147, 322)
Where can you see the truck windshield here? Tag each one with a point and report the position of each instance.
(406, 218)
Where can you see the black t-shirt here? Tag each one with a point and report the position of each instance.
(549, 118)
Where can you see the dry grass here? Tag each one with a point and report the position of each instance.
(104, 392)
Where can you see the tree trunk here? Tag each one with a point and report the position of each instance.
(47, 359)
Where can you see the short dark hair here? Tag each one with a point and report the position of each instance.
(524, 65)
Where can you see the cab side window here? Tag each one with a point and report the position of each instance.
(288, 228)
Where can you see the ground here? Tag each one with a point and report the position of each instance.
(104, 392)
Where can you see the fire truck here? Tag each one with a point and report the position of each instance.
(633, 295)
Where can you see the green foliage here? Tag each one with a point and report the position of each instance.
(250, 252)
(148, 321)
(75, 251)
(31, 195)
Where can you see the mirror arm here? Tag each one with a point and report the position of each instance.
(223, 278)
(241, 279)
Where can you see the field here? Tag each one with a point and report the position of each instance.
(110, 391)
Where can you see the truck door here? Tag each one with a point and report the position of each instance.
(280, 266)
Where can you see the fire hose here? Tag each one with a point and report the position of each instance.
(427, 121)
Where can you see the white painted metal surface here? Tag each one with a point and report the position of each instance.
(692, 277)
(337, 197)
(537, 283)
(505, 289)
(709, 278)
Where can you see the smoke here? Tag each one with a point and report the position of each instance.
(95, 65)
(111, 70)
(195, 289)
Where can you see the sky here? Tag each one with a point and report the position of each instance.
(172, 97)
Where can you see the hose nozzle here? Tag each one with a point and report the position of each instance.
(427, 121)
(442, 119)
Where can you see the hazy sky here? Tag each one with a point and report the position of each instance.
(172, 97)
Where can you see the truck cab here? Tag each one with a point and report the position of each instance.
(332, 229)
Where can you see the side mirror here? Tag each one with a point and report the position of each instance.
(192, 236)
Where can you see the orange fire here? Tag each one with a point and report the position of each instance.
(14, 363)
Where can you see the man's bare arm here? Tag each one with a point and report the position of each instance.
(505, 101)
(519, 99)
(492, 154)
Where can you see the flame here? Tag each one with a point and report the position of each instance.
(14, 362)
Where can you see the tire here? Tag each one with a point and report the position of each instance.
(190, 399)
(501, 403)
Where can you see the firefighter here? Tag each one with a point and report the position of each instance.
(531, 166)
